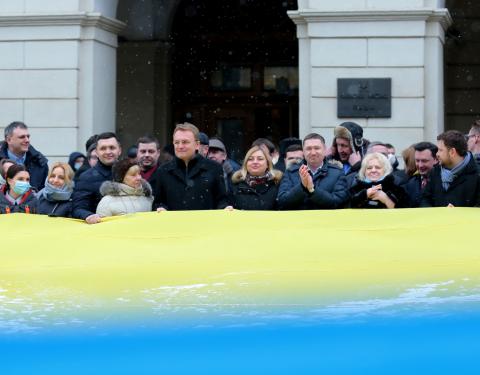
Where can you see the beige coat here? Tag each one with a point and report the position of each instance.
(121, 199)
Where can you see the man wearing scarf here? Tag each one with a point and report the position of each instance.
(456, 181)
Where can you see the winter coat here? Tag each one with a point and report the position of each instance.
(120, 199)
(359, 199)
(86, 194)
(28, 203)
(413, 188)
(198, 186)
(330, 189)
(257, 197)
(35, 163)
(464, 191)
(54, 208)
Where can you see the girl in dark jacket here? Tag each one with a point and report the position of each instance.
(55, 199)
(17, 195)
(255, 185)
(375, 187)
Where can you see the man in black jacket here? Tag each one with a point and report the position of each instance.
(86, 193)
(456, 181)
(425, 160)
(189, 181)
(17, 147)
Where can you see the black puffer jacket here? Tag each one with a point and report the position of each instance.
(36, 164)
(464, 191)
(257, 197)
(200, 186)
(359, 199)
(28, 203)
(86, 193)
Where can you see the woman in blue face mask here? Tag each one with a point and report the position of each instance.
(17, 194)
(55, 199)
(375, 186)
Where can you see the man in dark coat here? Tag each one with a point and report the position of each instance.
(315, 184)
(17, 147)
(148, 153)
(189, 181)
(86, 193)
(456, 181)
(425, 160)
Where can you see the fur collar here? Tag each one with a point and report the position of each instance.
(118, 189)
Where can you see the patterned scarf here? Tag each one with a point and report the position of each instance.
(448, 175)
(258, 180)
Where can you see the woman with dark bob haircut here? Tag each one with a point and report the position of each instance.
(127, 193)
(17, 195)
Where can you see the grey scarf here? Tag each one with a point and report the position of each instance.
(448, 175)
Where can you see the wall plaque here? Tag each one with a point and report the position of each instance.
(364, 97)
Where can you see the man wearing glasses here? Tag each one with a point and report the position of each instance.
(473, 141)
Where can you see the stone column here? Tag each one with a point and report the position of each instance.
(57, 71)
(397, 39)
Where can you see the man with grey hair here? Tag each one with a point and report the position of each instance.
(473, 141)
(17, 147)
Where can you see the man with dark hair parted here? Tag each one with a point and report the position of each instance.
(86, 194)
(17, 147)
(425, 160)
(315, 183)
(456, 181)
(189, 181)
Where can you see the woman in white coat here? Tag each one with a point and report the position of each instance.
(127, 193)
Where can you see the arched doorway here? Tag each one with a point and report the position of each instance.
(234, 70)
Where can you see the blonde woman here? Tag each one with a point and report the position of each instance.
(375, 186)
(55, 199)
(255, 185)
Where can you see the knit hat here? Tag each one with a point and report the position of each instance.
(351, 131)
(120, 169)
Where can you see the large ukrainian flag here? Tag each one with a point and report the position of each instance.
(348, 291)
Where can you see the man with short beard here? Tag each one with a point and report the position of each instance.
(456, 181)
(148, 153)
(86, 194)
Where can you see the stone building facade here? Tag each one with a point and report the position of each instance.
(71, 68)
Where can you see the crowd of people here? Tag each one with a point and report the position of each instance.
(195, 173)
